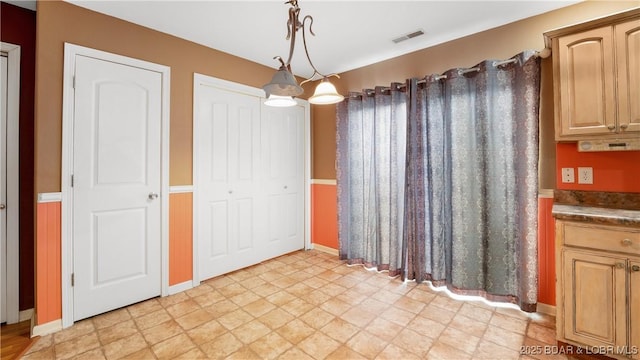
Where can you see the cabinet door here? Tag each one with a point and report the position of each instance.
(627, 37)
(595, 299)
(634, 308)
(587, 93)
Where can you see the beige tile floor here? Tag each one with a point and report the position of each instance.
(304, 305)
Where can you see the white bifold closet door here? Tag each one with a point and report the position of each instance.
(249, 180)
(283, 178)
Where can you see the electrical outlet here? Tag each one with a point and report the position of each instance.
(585, 175)
(567, 175)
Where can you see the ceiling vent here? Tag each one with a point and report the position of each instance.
(408, 36)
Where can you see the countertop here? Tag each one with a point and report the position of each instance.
(606, 208)
(596, 215)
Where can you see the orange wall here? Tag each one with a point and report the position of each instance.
(48, 263)
(324, 215)
(617, 171)
(180, 238)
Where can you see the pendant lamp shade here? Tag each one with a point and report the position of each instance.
(325, 94)
(280, 101)
(283, 83)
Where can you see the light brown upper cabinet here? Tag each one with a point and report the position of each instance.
(627, 36)
(596, 71)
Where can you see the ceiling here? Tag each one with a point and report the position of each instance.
(349, 34)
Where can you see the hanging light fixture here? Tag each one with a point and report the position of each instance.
(282, 88)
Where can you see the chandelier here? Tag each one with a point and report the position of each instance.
(283, 86)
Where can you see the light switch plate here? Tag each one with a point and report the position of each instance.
(568, 175)
(585, 175)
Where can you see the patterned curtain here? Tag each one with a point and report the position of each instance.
(472, 179)
(470, 194)
(370, 173)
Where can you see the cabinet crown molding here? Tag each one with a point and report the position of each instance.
(591, 24)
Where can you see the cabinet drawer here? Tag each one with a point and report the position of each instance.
(603, 238)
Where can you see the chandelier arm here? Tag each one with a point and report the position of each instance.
(279, 58)
(292, 25)
(304, 42)
(312, 78)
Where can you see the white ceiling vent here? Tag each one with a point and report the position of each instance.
(408, 36)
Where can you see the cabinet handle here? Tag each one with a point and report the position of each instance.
(627, 242)
(624, 126)
(620, 265)
(635, 268)
(611, 127)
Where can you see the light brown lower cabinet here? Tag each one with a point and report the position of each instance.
(598, 305)
(634, 306)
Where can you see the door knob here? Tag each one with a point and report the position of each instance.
(153, 196)
(3, 206)
(635, 268)
(620, 265)
(627, 242)
(624, 126)
(611, 127)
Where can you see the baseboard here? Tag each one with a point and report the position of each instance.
(48, 328)
(25, 315)
(325, 249)
(546, 309)
(174, 289)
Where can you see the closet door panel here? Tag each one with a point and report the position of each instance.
(283, 150)
(227, 180)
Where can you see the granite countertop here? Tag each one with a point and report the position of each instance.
(606, 208)
(597, 215)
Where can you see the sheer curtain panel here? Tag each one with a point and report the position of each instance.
(370, 174)
(476, 181)
(468, 207)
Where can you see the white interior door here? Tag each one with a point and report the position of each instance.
(283, 161)
(229, 205)
(9, 181)
(117, 132)
(3, 187)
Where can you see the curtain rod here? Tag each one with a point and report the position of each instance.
(544, 53)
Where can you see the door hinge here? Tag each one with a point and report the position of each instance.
(73, 279)
(71, 180)
(73, 82)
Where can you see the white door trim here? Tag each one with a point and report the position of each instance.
(13, 176)
(200, 79)
(70, 53)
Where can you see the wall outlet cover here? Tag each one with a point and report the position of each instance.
(568, 175)
(585, 175)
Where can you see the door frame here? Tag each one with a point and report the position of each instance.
(199, 80)
(71, 51)
(13, 180)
